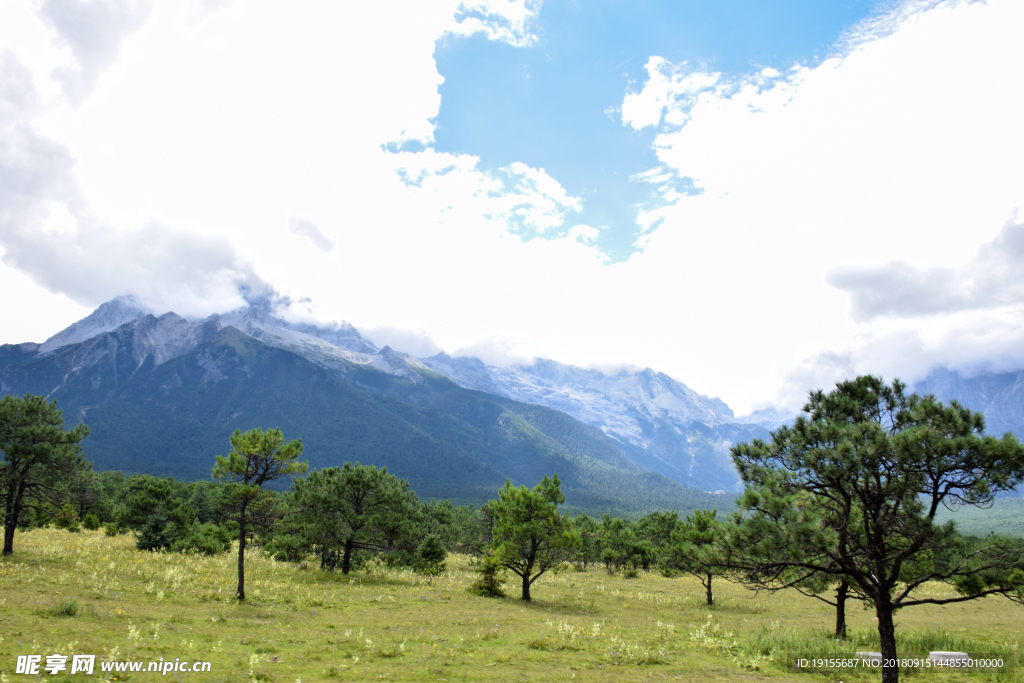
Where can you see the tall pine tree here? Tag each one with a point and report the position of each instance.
(256, 457)
(853, 490)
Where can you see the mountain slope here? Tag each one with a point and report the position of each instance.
(151, 411)
(106, 318)
(654, 422)
(657, 422)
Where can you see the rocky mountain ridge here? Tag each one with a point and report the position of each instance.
(658, 422)
(161, 395)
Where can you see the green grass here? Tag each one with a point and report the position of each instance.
(302, 624)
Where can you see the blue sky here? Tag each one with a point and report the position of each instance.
(553, 104)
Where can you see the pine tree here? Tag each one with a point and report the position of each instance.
(432, 556)
(529, 536)
(256, 457)
(698, 547)
(36, 448)
(338, 511)
(851, 491)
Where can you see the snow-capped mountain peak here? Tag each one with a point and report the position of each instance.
(108, 317)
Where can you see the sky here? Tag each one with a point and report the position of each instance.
(758, 198)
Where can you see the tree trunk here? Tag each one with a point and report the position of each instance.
(346, 560)
(12, 512)
(528, 572)
(887, 636)
(9, 537)
(240, 592)
(841, 593)
(711, 598)
(10, 523)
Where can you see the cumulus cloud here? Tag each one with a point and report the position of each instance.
(306, 228)
(976, 342)
(17, 93)
(995, 277)
(508, 21)
(33, 171)
(520, 197)
(894, 149)
(885, 152)
(669, 87)
(536, 200)
(168, 269)
(164, 268)
(94, 31)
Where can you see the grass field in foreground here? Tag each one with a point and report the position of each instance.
(302, 624)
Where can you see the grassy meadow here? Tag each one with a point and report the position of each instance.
(85, 593)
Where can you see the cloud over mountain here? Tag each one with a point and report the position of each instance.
(993, 278)
(306, 228)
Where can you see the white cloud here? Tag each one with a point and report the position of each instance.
(899, 148)
(517, 195)
(413, 342)
(17, 93)
(670, 87)
(47, 233)
(94, 31)
(995, 277)
(508, 21)
(497, 352)
(977, 341)
(537, 199)
(306, 228)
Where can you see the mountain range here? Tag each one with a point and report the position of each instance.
(162, 393)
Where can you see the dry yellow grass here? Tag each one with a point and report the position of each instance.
(301, 624)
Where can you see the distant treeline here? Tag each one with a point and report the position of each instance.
(201, 516)
(338, 517)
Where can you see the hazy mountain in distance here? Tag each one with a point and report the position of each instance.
(770, 418)
(656, 420)
(999, 395)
